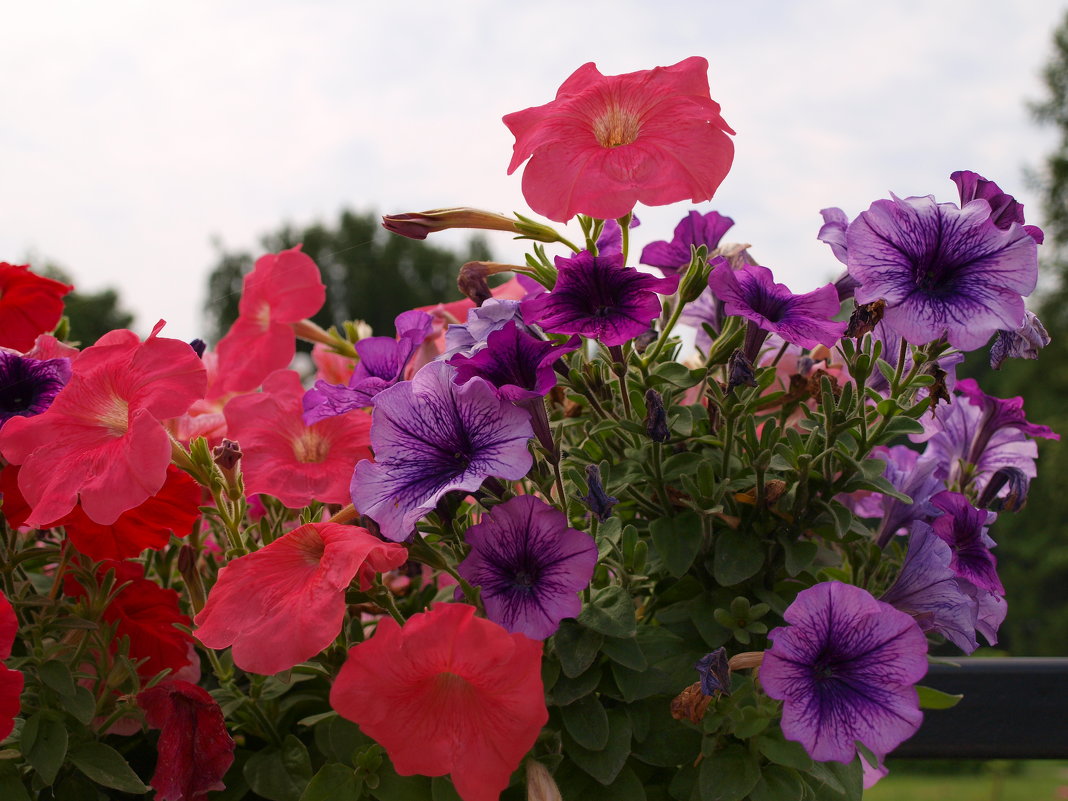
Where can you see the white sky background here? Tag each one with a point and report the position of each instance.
(132, 132)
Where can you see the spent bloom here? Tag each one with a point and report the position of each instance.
(431, 436)
(530, 565)
(845, 667)
(1004, 208)
(608, 142)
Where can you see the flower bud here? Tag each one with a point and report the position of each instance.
(198, 346)
(656, 425)
(416, 225)
(740, 371)
(187, 566)
(472, 279)
(1014, 501)
(715, 672)
(599, 501)
(540, 783)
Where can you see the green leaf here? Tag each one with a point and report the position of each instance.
(586, 722)
(625, 651)
(337, 739)
(666, 742)
(625, 787)
(44, 744)
(611, 612)
(441, 789)
(739, 555)
(81, 705)
(576, 647)
(728, 775)
(604, 764)
(567, 691)
(392, 787)
(777, 783)
(56, 675)
(107, 767)
(800, 554)
(787, 753)
(11, 786)
(930, 698)
(677, 540)
(280, 774)
(333, 781)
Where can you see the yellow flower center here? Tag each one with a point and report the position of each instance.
(616, 126)
(310, 446)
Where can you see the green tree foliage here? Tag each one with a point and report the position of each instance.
(91, 314)
(370, 274)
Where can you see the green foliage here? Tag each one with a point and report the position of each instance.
(90, 314)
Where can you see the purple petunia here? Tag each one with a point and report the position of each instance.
(28, 386)
(599, 298)
(694, 230)
(381, 365)
(845, 669)
(1023, 343)
(431, 436)
(942, 270)
(963, 528)
(529, 564)
(911, 475)
(1004, 209)
(470, 337)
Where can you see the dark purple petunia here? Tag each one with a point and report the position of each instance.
(942, 270)
(751, 293)
(599, 298)
(382, 362)
(845, 669)
(431, 436)
(1023, 343)
(611, 239)
(715, 672)
(963, 528)
(598, 501)
(28, 386)
(470, 337)
(694, 230)
(1004, 209)
(529, 564)
(519, 365)
(930, 590)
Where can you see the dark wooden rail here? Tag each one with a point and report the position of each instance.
(1012, 709)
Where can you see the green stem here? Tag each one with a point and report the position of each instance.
(664, 335)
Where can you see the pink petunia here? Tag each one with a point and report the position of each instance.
(608, 142)
(102, 440)
(283, 604)
(283, 457)
(282, 289)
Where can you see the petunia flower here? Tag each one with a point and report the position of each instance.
(845, 667)
(282, 289)
(449, 693)
(11, 681)
(963, 528)
(30, 305)
(833, 232)
(283, 604)
(470, 337)
(942, 270)
(28, 386)
(430, 437)
(530, 565)
(284, 457)
(102, 440)
(1004, 208)
(382, 362)
(607, 142)
(598, 298)
(694, 230)
(195, 750)
(1023, 343)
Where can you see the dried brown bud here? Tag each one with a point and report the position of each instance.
(748, 659)
(938, 391)
(691, 704)
(736, 254)
(864, 318)
(472, 279)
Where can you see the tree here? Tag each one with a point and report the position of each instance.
(91, 314)
(370, 274)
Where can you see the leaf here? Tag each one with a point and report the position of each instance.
(81, 705)
(624, 651)
(56, 675)
(610, 612)
(739, 555)
(107, 767)
(787, 753)
(279, 774)
(442, 789)
(577, 647)
(666, 742)
(44, 744)
(392, 787)
(777, 783)
(677, 540)
(567, 691)
(604, 764)
(930, 698)
(11, 786)
(586, 722)
(625, 787)
(728, 775)
(333, 781)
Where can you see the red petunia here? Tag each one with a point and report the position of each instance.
(283, 604)
(11, 681)
(607, 142)
(282, 289)
(447, 693)
(102, 440)
(283, 457)
(195, 750)
(173, 510)
(30, 304)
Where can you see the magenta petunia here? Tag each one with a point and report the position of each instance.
(694, 230)
(608, 142)
(845, 668)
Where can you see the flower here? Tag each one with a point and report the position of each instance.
(470, 337)
(530, 565)
(714, 672)
(195, 750)
(833, 232)
(963, 528)
(284, 457)
(28, 386)
(1004, 210)
(608, 142)
(597, 297)
(102, 440)
(283, 604)
(382, 362)
(1023, 343)
(282, 289)
(431, 436)
(447, 693)
(942, 270)
(598, 501)
(694, 230)
(30, 304)
(11, 681)
(845, 667)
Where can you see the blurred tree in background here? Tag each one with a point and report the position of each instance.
(370, 274)
(1032, 547)
(91, 314)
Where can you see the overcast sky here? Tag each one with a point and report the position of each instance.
(133, 133)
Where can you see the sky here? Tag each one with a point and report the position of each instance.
(136, 134)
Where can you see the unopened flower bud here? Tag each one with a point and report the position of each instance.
(187, 566)
(695, 278)
(599, 502)
(540, 783)
(643, 341)
(1018, 484)
(198, 346)
(416, 225)
(656, 425)
(472, 279)
(226, 455)
(864, 318)
(715, 673)
(740, 371)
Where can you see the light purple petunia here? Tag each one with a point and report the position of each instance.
(1004, 209)
(833, 232)
(611, 239)
(942, 270)
(694, 230)
(28, 386)
(470, 337)
(963, 528)
(845, 669)
(529, 564)
(599, 298)
(1023, 343)
(382, 362)
(431, 436)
